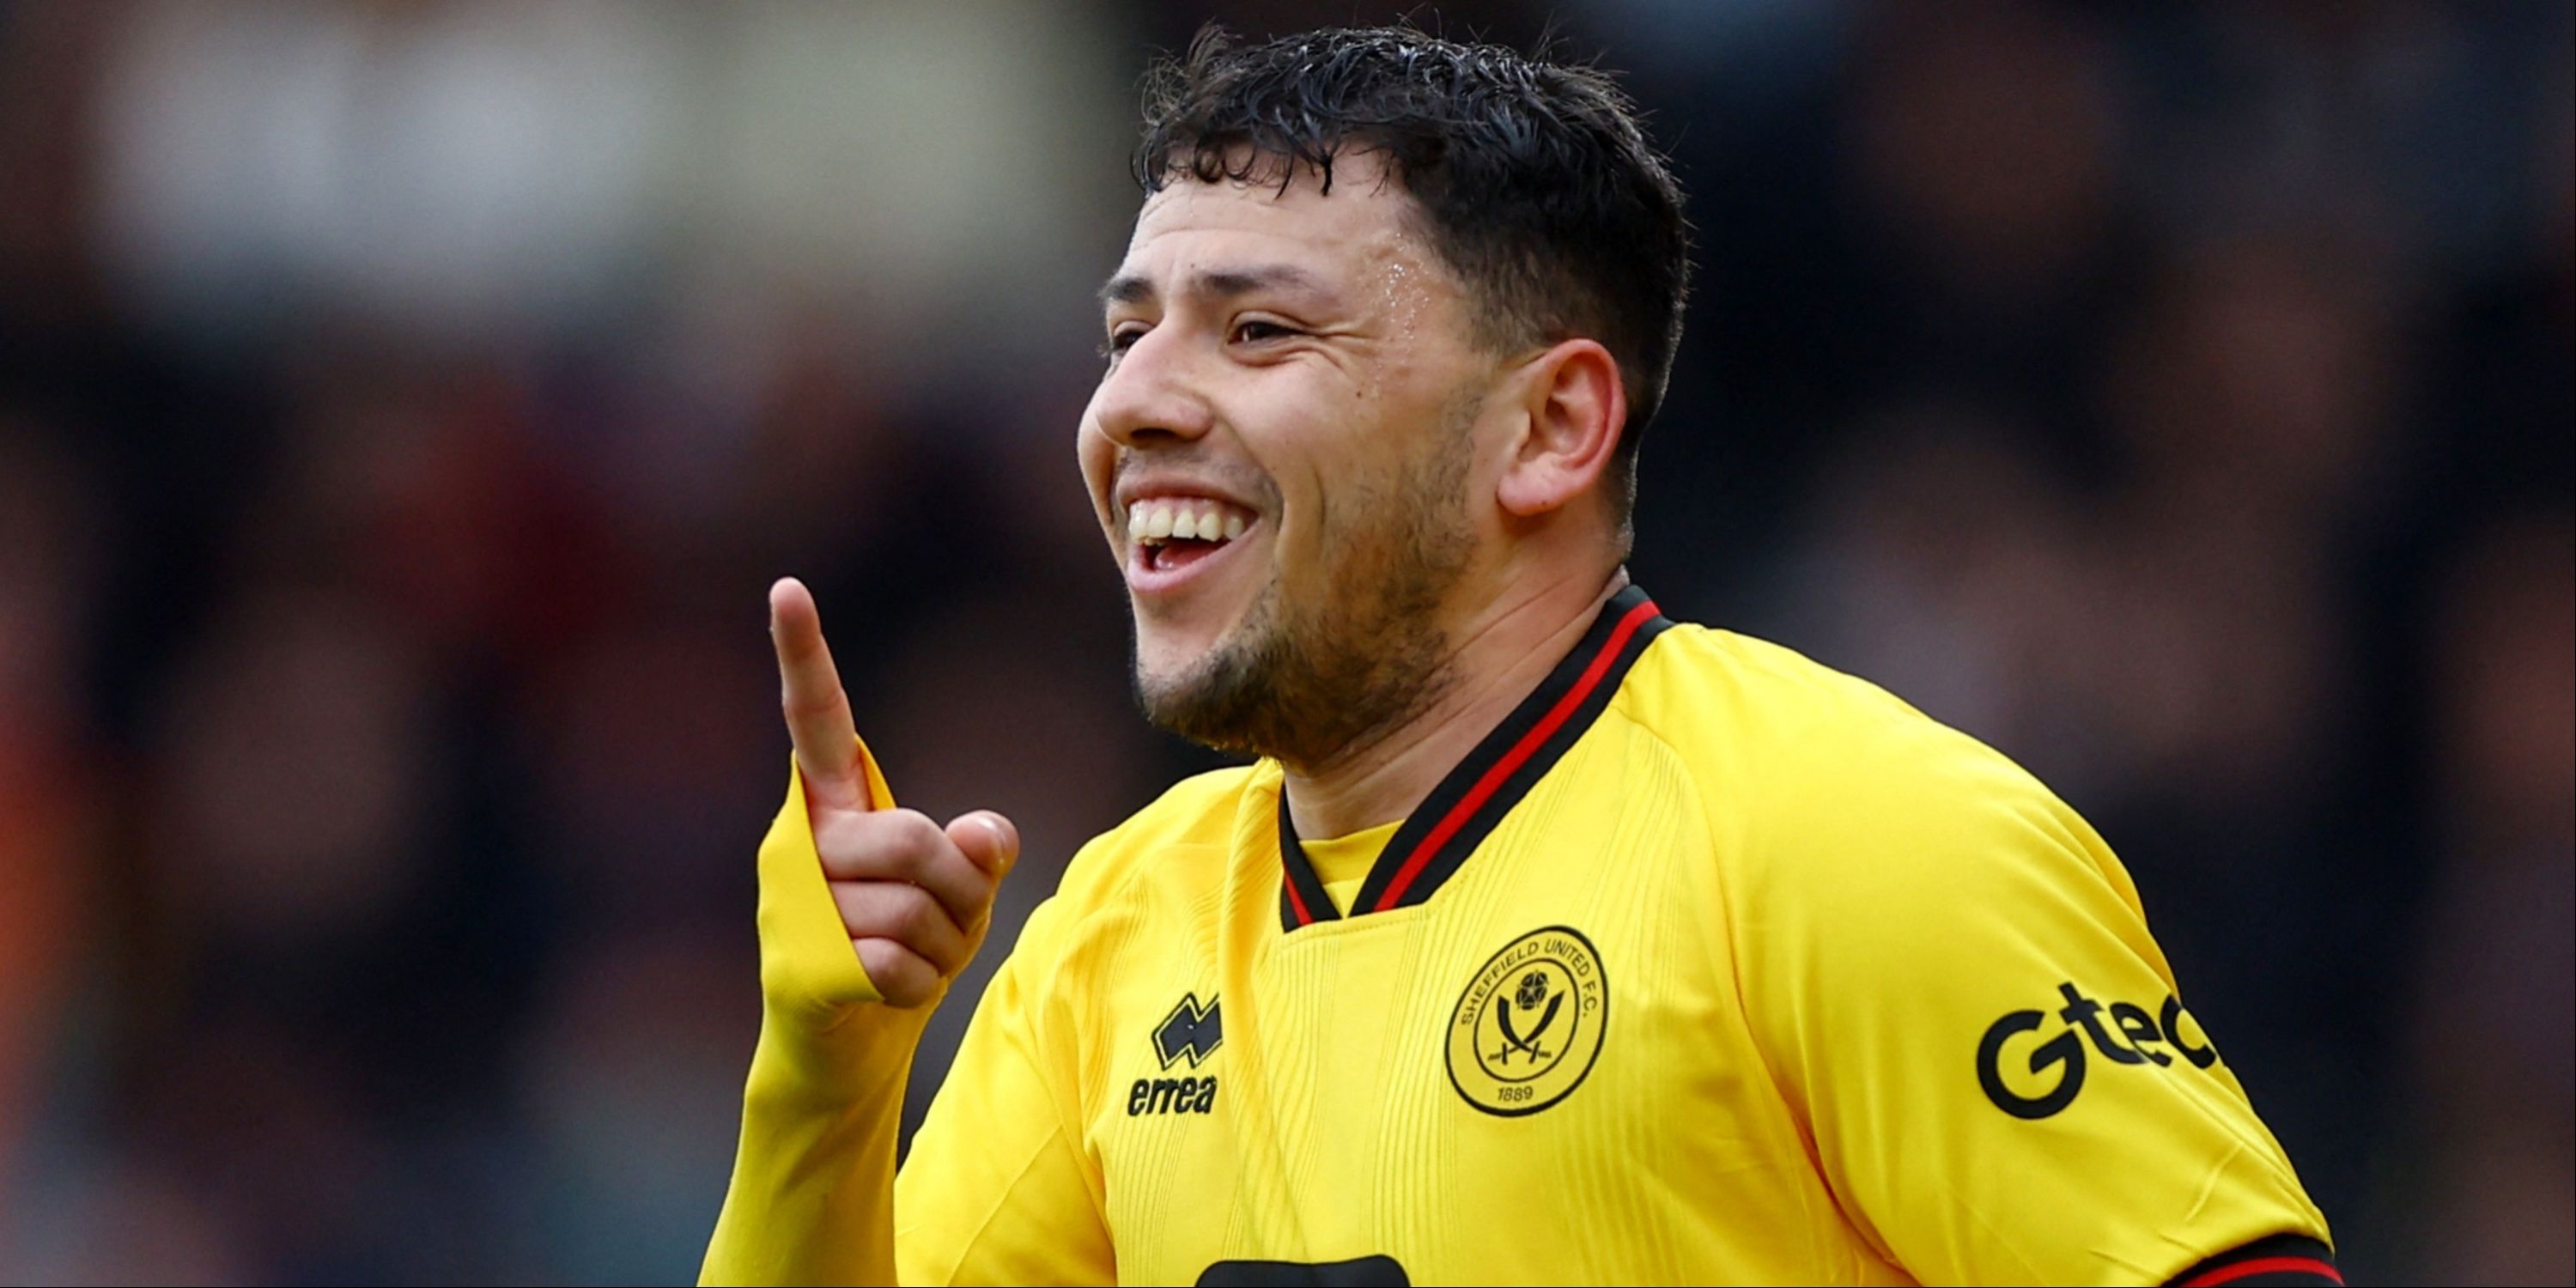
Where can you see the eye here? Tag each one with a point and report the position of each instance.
(1255, 331)
(1121, 340)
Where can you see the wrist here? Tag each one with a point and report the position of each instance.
(854, 1054)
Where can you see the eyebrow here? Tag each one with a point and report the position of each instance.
(1222, 284)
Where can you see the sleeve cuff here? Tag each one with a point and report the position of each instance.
(2281, 1259)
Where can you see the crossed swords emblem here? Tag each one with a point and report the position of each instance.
(1533, 986)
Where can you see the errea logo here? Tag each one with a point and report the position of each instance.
(1192, 1032)
(2140, 1036)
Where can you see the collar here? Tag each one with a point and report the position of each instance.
(1475, 795)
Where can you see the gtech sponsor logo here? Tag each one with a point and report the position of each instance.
(2057, 1062)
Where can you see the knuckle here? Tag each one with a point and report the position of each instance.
(918, 828)
(842, 841)
(864, 844)
(910, 983)
(892, 911)
(917, 840)
(883, 957)
(853, 906)
(913, 915)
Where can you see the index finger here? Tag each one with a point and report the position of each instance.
(810, 693)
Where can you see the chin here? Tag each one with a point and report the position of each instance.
(1207, 687)
(1174, 638)
(1167, 655)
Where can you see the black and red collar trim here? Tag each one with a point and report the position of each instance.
(1475, 796)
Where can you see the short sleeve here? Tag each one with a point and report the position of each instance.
(1952, 980)
(997, 1188)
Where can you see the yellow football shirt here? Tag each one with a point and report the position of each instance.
(1710, 965)
(1341, 864)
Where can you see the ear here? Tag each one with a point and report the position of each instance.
(1574, 411)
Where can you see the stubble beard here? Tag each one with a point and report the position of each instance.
(1309, 684)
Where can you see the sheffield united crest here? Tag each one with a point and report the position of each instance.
(1530, 1024)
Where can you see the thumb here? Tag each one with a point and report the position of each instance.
(987, 839)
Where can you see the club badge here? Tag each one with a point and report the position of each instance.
(1530, 1024)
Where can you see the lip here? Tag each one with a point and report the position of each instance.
(1142, 484)
(1147, 582)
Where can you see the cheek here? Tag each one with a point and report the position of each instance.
(1096, 457)
(1335, 506)
(1335, 459)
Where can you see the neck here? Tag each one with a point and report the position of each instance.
(1497, 659)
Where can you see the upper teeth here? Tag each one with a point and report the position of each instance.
(1187, 519)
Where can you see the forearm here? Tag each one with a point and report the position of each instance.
(812, 1196)
(866, 913)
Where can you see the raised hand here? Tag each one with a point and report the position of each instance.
(914, 897)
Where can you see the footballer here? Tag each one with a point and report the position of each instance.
(1545, 938)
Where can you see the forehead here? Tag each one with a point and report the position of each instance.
(1360, 230)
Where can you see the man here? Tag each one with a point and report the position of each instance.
(1547, 939)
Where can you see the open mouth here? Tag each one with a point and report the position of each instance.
(1171, 533)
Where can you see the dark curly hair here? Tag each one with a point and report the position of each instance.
(1536, 185)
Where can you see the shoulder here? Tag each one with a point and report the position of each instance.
(1714, 692)
(1183, 833)
(1836, 794)
(1148, 871)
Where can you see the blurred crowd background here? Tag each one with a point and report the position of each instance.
(404, 407)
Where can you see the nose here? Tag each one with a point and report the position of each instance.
(1153, 394)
